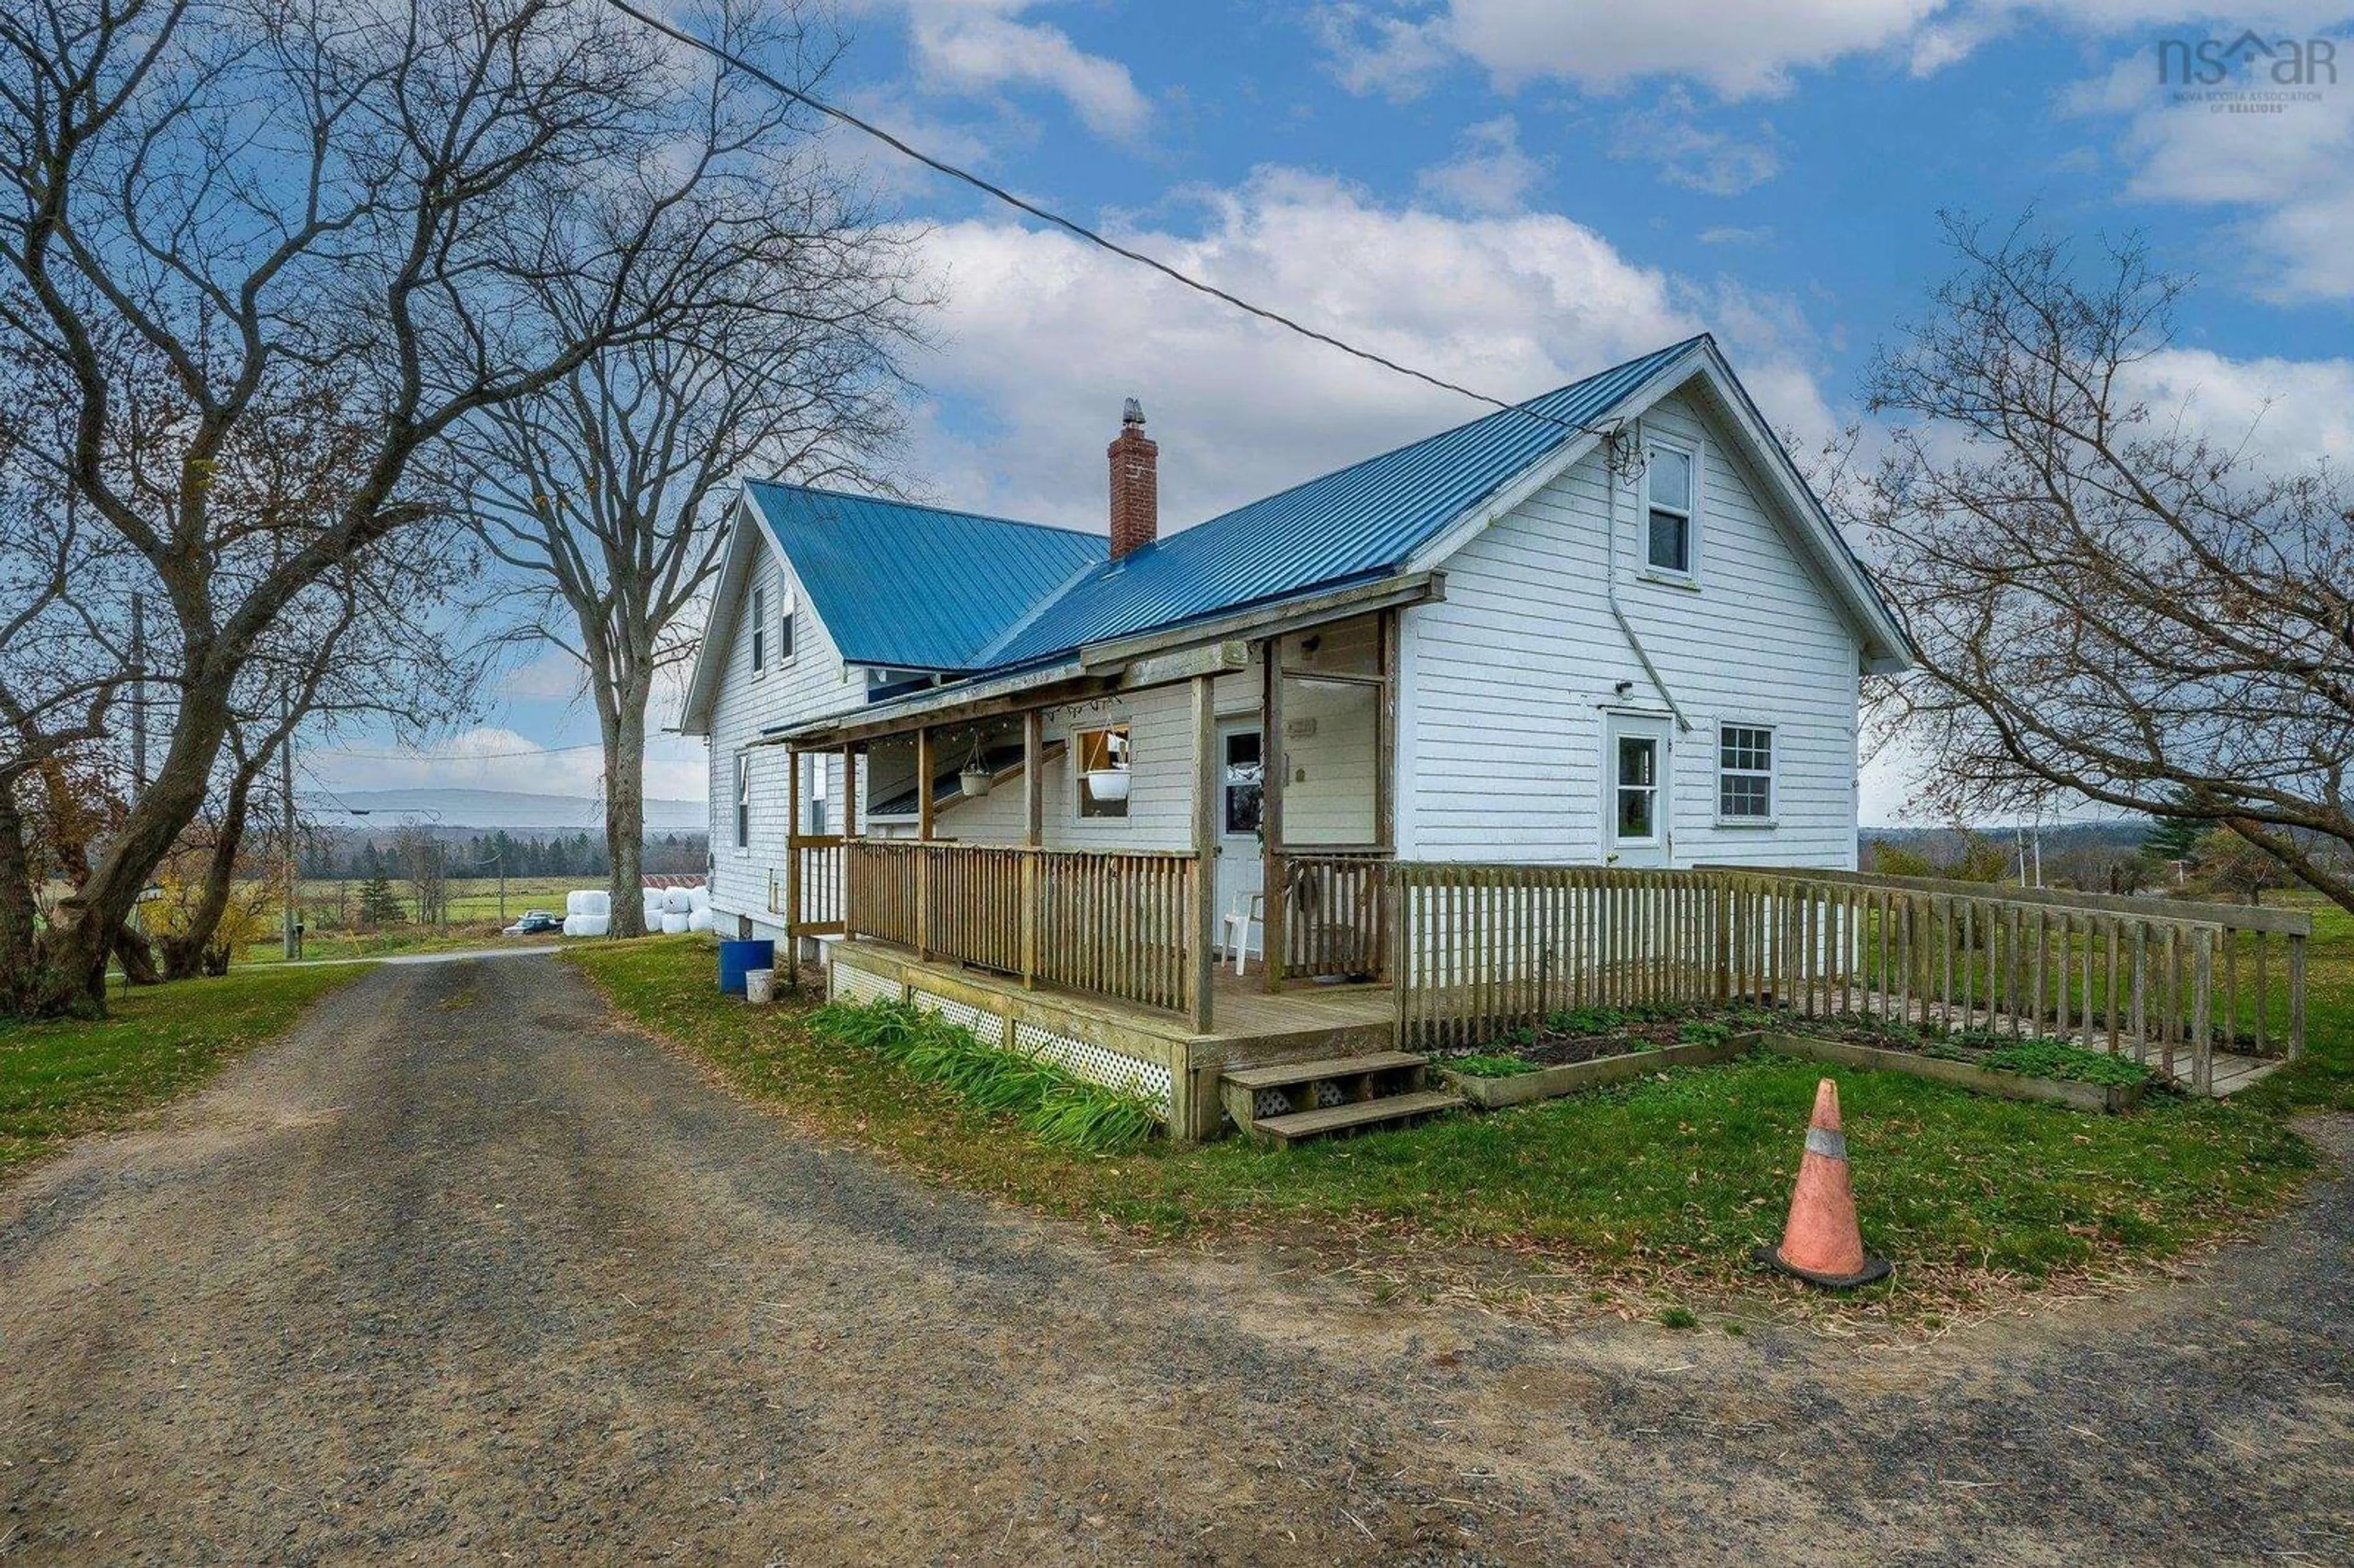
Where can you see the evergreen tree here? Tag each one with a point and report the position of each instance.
(2174, 837)
(379, 906)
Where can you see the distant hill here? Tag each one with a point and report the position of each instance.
(493, 808)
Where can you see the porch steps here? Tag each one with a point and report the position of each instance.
(1285, 1102)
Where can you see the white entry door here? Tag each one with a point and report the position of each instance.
(1634, 762)
(1240, 870)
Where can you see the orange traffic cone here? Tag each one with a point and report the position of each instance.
(1822, 1244)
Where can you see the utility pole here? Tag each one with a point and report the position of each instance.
(294, 932)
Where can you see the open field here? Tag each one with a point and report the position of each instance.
(1667, 1182)
(77, 1075)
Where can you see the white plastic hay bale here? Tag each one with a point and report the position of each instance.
(587, 924)
(598, 903)
(571, 923)
(674, 925)
(676, 901)
(697, 898)
(760, 985)
(699, 920)
(573, 904)
(653, 906)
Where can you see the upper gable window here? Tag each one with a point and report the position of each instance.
(759, 629)
(1668, 483)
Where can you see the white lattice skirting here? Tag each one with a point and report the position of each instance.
(1115, 1069)
(859, 986)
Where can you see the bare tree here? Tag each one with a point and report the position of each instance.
(412, 214)
(2111, 602)
(609, 488)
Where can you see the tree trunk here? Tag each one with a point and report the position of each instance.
(82, 937)
(624, 734)
(22, 967)
(183, 953)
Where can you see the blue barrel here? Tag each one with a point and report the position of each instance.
(735, 957)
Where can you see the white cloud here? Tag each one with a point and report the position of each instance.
(2283, 413)
(1739, 48)
(2288, 176)
(975, 47)
(1047, 335)
(1489, 173)
(1727, 233)
(1690, 154)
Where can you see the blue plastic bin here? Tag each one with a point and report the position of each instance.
(737, 956)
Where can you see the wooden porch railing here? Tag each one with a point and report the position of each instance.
(808, 889)
(1335, 912)
(1482, 950)
(1122, 925)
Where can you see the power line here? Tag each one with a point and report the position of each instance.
(461, 756)
(1073, 226)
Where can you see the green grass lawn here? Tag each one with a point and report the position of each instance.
(2323, 1080)
(77, 1075)
(1674, 1176)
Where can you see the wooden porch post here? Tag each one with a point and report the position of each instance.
(1205, 935)
(1034, 836)
(924, 835)
(850, 792)
(1273, 771)
(792, 909)
(1387, 626)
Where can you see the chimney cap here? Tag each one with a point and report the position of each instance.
(1131, 412)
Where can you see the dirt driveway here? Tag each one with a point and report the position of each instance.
(461, 1272)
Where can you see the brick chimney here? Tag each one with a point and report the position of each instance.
(1135, 483)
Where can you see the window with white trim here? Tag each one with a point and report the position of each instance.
(743, 802)
(1668, 485)
(759, 629)
(1744, 772)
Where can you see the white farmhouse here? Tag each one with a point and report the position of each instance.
(1611, 628)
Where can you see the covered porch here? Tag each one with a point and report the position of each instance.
(1135, 827)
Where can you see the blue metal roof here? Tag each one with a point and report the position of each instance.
(914, 587)
(1358, 522)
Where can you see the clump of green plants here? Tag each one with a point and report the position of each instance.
(1678, 1318)
(2049, 1059)
(1703, 1032)
(1488, 1065)
(1056, 1108)
(1516, 1039)
(1587, 1020)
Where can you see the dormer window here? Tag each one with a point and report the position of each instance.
(759, 629)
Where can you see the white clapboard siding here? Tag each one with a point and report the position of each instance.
(1507, 680)
(809, 683)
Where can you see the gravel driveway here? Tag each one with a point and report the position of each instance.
(461, 1271)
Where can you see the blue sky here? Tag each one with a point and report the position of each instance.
(1514, 192)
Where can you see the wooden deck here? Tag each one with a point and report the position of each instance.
(1249, 1026)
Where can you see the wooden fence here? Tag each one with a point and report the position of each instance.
(1121, 924)
(808, 891)
(1483, 950)
(1334, 912)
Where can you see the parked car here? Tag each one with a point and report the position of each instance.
(535, 923)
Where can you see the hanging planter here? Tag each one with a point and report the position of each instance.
(1108, 784)
(976, 777)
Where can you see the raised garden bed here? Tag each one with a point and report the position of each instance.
(1491, 1091)
(2073, 1093)
(1587, 1047)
